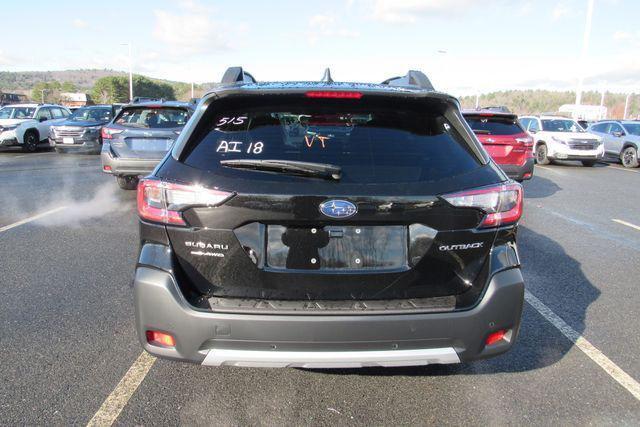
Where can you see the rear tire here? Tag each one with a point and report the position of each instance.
(629, 157)
(30, 142)
(588, 163)
(541, 155)
(127, 182)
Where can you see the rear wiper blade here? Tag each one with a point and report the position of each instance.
(320, 170)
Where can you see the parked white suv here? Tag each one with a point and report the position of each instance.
(28, 125)
(560, 138)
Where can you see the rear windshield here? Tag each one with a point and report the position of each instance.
(371, 146)
(153, 118)
(494, 125)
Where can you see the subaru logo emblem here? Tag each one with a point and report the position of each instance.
(338, 208)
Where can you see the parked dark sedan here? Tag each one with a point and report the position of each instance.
(139, 137)
(81, 130)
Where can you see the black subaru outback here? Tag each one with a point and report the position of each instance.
(324, 224)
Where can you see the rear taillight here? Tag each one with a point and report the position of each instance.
(107, 133)
(333, 94)
(164, 202)
(527, 141)
(502, 203)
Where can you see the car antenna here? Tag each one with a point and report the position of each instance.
(327, 76)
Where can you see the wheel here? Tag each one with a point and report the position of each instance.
(541, 155)
(629, 157)
(588, 163)
(127, 182)
(60, 150)
(30, 143)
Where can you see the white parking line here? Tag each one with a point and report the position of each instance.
(119, 397)
(623, 169)
(613, 370)
(32, 218)
(628, 224)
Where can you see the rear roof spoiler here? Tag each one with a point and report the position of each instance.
(236, 75)
(412, 79)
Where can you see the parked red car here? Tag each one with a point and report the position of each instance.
(505, 140)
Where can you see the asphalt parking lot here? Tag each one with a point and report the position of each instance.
(67, 337)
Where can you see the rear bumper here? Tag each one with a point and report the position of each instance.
(126, 167)
(520, 172)
(319, 341)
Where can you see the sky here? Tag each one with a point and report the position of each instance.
(464, 46)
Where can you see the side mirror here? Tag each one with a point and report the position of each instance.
(617, 134)
(42, 119)
(532, 131)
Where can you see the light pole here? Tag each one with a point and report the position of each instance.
(583, 56)
(626, 105)
(192, 93)
(42, 91)
(130, 71)
(601, 115)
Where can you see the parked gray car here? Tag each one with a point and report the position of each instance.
(139, 137)
(81, 131)
(621, 140)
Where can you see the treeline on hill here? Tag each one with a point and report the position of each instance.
(547, 101)
(110, 89)
(102, 85)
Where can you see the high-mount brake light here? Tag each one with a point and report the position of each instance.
(334, 94)
(164, 202)
(502, 203)
(107, 133)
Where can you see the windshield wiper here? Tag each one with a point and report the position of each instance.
(320, 170)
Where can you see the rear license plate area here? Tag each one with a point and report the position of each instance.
(337, 248)
(149, 144)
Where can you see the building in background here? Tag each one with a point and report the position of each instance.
(12, 98)
(584, 112)
(75, 99)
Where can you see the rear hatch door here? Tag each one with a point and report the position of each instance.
(377, 231)
(501, 135)
(147, 132)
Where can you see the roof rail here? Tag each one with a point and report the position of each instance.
(235, 75)
(413, 78)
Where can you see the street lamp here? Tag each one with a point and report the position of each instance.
(42, 91)
(130, 72)
(626, 105)
(583, 56)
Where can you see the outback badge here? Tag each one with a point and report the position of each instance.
(338, 208)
